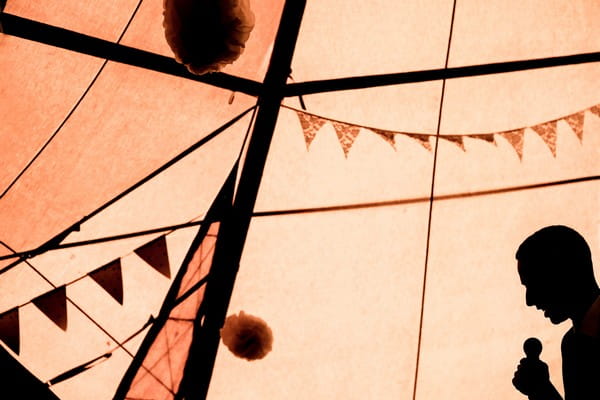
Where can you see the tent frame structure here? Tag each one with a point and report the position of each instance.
(59, 37)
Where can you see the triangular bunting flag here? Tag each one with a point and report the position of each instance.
(54, 305)
(456, 139)
(388, 136)
(487, 137)
(310, 126)
(547, 131)
(515, 138)
(346, 135)
(155, 253)
(596, 110)
(111, 279)
(575, 121)
(422, 139)
(9, 329)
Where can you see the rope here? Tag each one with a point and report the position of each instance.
(431, 200)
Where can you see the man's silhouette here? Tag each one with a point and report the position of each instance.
(555, 266)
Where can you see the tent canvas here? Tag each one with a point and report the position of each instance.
(384, 271)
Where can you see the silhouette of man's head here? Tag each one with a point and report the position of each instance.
(555, 266)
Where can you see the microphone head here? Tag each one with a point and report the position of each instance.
(532, 347)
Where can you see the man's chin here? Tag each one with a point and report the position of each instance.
(555, 319)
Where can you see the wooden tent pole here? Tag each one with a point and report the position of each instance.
(234, 227)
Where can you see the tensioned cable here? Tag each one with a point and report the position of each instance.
(247, 135)
(312, 210)
(180, 299)
(92, 363)
(75, 106)
(109, 238)
(389, 203)
(171, 162)
(92, 320)
(431, 200)
(52, 243)
(29, 253)
(105, 239)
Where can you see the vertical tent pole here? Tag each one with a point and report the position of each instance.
(234, 227)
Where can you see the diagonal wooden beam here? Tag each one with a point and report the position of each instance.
(368, 81)
(234, 226)
(59, 37)
(74, 41)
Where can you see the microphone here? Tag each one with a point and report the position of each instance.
(532, 348)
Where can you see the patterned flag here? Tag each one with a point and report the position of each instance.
(346, 134)
(456, 139)
(388, 136)
(487, 137)
(575, 121)
(422, 139)
(547, 131)
(515, 138)
(310, 126)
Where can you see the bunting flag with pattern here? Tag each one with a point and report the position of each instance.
(547, 131)
(515, 138)
(347, 132)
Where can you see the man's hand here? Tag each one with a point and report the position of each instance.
(531, 377)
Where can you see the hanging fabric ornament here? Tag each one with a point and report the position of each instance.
(247, 336)
(206, 35)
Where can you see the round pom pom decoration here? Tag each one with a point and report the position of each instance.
(247, 336)
(206, 35)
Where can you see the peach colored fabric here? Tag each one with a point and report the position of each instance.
(341, 290)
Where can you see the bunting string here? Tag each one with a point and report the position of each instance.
(347, 132)
(54, 303)
(109, 277)
(168, 229)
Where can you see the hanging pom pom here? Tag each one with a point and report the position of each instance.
(247, 336)
(206, 35)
